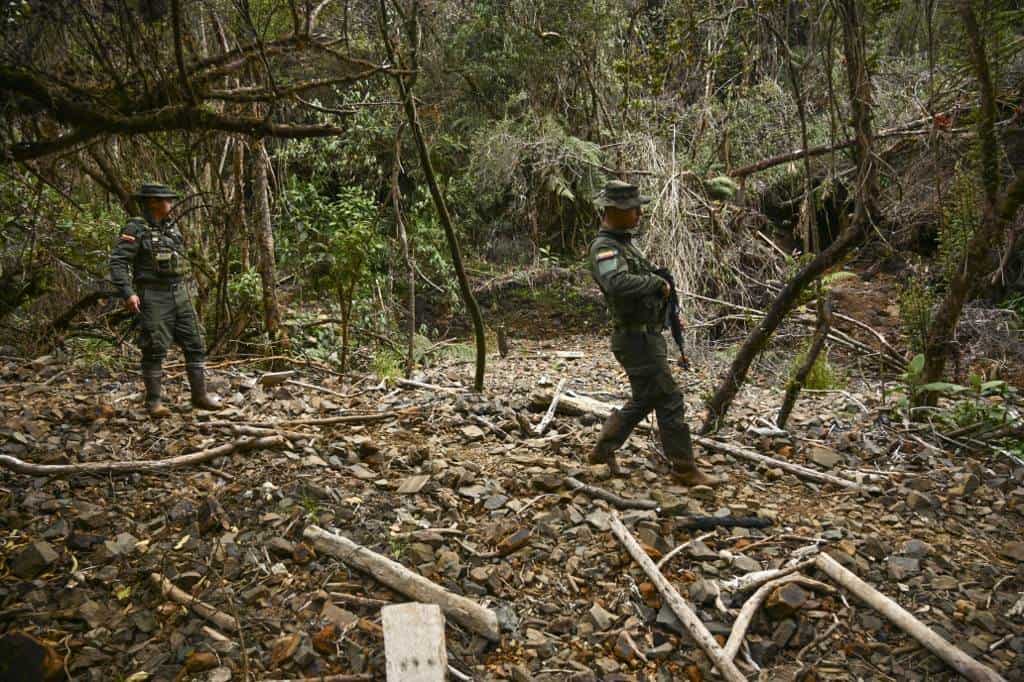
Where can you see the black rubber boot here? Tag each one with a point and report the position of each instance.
(678, 446)
(197, 382)
(154, 399)
(614, 433)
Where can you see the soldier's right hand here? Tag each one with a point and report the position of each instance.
(133, 304)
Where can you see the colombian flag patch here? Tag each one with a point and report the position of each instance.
(605, 255)
(127, 238)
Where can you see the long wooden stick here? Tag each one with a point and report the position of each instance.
(796, 469)
(676, 602)
(175, 594)
(550, 414)
(607, 496)
(140, 466)
(345, 419)
(804, 371)
(953, 656)
(466, 612)
(575, 404)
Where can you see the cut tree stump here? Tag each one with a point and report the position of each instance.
(463, 611)
(414, 647)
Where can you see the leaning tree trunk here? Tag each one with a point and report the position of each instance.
(996, 213)
(265, 244)
(411, 114)
(410, 264)
(867, 183)
(799, 379)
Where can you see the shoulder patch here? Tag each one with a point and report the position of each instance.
(605, 254)
(125, 237)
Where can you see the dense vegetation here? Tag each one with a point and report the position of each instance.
(299, 133)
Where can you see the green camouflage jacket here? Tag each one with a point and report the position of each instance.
(147, 253)
(627, 280)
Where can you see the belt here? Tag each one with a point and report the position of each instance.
(647, 328)
(162, 286)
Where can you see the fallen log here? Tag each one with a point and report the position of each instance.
(352, 677)
(952, 655)
(676, 602)
(177, 595)
(466, 612)
(145, 466)
(608, 496)
(573, 404)
(412, 383)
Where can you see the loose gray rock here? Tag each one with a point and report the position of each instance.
(900, 568)
(33, 560)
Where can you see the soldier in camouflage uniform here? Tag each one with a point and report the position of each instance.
(636, 300)
(148, 268)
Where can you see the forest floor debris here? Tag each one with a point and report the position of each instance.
(494, 518)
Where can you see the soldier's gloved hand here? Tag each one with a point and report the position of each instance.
(684, 362)
(133, 304)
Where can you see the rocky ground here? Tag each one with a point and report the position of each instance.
(485, 512)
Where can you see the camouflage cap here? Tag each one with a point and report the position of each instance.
(155, 191)
(620, 194)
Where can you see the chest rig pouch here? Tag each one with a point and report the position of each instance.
(165, 251)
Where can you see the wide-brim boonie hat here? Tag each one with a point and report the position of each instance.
(622, 195)
(155, 191)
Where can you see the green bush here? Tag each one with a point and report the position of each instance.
(960, 218)
(823, 376)
(916, 303)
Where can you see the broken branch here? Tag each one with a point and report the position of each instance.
(177, 595)
(466, 612)
(676, 602)
(140, 466)
(952, 655)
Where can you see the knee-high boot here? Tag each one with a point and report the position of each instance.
(197, 382)
(152, 377)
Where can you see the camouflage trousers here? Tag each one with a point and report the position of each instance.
(644, 357)
(167, 317)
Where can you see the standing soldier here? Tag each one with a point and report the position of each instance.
(148, 268)
(636, 300)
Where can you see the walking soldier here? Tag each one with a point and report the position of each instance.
(636, 299)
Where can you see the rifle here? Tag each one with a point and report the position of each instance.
(672, 316)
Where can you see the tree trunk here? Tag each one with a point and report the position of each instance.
(410, 265)
(850, 237)
(243, 231)
(412, 116)
(800, 378)
(996, 213)
(265, 244)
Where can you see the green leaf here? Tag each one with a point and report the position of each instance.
(943, 387)
(916, 365)
(997, 384)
